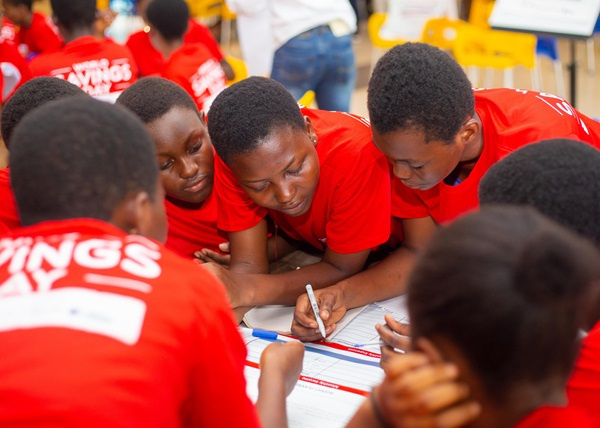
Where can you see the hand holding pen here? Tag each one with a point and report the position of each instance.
(331, 310)
(395, 335)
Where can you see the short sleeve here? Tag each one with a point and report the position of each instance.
(236, 211)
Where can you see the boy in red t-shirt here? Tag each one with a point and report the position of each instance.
(151, 62)
(36, 33)
(144, 337)
(191, 66)
(185, 159)
(31, 95)
(102, 68)
(440, 136)
(313, 172)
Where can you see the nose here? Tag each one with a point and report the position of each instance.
(403, 171)
(189, 168)
(285, 193)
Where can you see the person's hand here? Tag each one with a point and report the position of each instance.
(331, 309)
(417, 392)
(209, 256)
(282, 361)
(236, 293)
(395, 335)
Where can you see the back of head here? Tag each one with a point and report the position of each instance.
(560, 178)
(33, 94)
(245, 113)
(27, 3)
(418, 86)
(169, 17)
(506, 286)
(79, 158)
(74, 14)
(151, 98)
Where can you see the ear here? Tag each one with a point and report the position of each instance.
(131, 214)
(311, 131)
(470, 130)
(426, 346)
(203, 117)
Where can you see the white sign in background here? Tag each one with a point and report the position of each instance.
(561, 17)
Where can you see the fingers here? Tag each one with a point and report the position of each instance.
(459, 415)
(224, 247)
(397, 327)
(308, 334)
(208, 256)
(399, 363)
(392, 339)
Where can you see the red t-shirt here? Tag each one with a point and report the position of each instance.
(555, 417)
(9, 216)
(350, 211)
(583, 388)
(41, 36)
(510, 119)
(151, 62)
(8, 32)
(194, 68)
(113, 330)
(191, 230)
(15, 69)
(101, 68)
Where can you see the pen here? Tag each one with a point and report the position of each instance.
(264, 334)
(315, 308)
(375, 342)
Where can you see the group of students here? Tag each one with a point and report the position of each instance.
(92, 302)
(74, 48)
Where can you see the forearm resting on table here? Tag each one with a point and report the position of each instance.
(383, 281)
(284, 288)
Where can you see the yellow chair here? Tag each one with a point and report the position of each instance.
(441, 32)
(480, 12)
(477, 47)
(374, 24)
(240, 70)
(307, 99)
(205, 9)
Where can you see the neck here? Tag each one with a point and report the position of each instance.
(520, 402)
(27, 21)
(69, 36)
(165, 47)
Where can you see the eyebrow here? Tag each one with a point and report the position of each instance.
(265, 179)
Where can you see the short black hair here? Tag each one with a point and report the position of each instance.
(73, 14)
(151, 98)
(558, 177)
(416, 86)
(32, 94)
(247, 112)
(79, 158)
(169, 17)
(507, 286)
(27, 3)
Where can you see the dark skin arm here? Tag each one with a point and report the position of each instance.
(385, 280)
(284, 288)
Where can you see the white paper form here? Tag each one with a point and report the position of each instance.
(362, 328)
(333, 383)
(279, 318)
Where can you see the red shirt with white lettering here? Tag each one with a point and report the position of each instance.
(102, 68)
(113, 330)
(350, 211)
(556, 417)
(9, 216)
(41, 36)
(191, 229)
(194, 68)
(583, 388)
(8, 31)
(510, 119)
(15, 70)
(151, 62)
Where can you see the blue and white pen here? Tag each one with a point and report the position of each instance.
(315, 308)
(264, 334)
